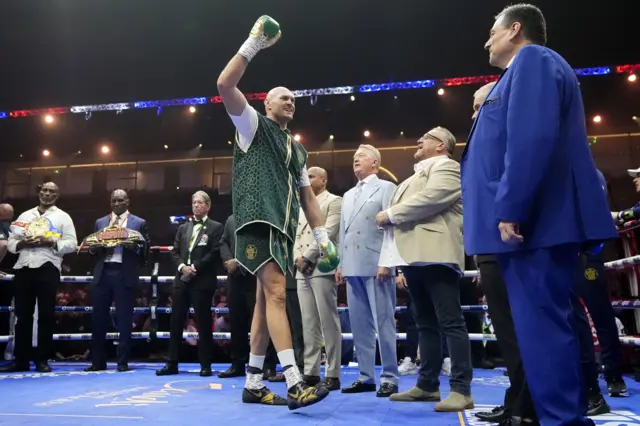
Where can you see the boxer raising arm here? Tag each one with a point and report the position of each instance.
(270, 184)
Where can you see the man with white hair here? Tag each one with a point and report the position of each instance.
(424, 237)
(371, 290)
(196, 256)
(270, 185)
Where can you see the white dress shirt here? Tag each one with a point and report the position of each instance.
(247, 126)
(38, 256)
(116, 256)
(389, 255)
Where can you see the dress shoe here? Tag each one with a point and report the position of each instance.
(311, 380)
(386, 390)
(616, 386)
(276, 378)
(233, 371)
(168, 370)
(596, 403)
(484, 364)
(43, 367)
(123, 366)
(268, 373)
(15, 367)
(330, 383)
(359, 387)
(94, 367)
(205, 372)
(496, 415)
(518, 421)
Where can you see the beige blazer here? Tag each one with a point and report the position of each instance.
(330, 207)
(427, 213)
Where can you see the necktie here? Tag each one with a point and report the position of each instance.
(110, 250)
(359, 189)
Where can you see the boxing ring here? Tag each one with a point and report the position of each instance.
(69, 395)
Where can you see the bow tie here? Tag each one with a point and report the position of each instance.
(200, 222)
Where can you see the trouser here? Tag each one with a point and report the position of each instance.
(31, 285)
(517, 398)
(539, 284)
(592, 288)
(111, 286)
(469, 295)
(184, 294)
(372, 305)
(435, 295)
(320, 322)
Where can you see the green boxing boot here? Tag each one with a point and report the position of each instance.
(330, 259)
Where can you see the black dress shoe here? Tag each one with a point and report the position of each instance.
(276, 378)
(311, 380)
(359, 387)
(15, 368)
(233, 371)
(43, 367)
(122, 367)
(330, 383)
(168, 370)
(496, 415)
(386, 390)
(94, 367)
(269, 373)
(205, 372)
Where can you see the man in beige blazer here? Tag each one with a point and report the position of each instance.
(424, 237)
(317, 291)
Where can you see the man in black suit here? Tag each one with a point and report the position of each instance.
(241, 288)
(116, 276)
(196, 254)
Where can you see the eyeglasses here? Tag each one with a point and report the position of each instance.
(430, 136)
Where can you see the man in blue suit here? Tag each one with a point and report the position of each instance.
(532, 196)
(371, 291)
(115, 278)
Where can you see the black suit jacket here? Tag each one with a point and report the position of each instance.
(205, 256)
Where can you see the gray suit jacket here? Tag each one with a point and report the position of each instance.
(360, 240)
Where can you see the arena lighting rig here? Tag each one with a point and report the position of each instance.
(313, 93)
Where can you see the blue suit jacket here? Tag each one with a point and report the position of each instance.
(527, 160)
(131, 260)
(360, 240)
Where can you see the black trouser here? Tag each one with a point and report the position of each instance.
(591, 286)
(111, 287)
(407, 324)
(242, 301)
(295, 324)
(517, 398)
(469, 295)
(33, 284)
(582, 329)
(185, 294)
(435, 297)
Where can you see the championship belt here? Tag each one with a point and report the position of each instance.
(113, 236)
(41, 227)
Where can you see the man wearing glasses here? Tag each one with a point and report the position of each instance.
(424, 237)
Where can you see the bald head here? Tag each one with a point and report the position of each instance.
(119, 202)
(479, 97)
(318, 179)
(280, 105)
(6, 211)
(48, 194)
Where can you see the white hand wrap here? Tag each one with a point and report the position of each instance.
(321, 236)
(251, 47)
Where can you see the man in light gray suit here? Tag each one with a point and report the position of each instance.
(317, 291)
(371, 292)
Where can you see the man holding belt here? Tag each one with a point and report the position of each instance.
(270, 184)
(531, 196)
(116, 275)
